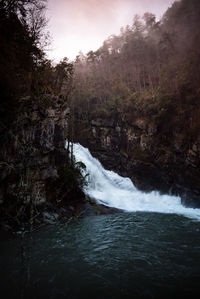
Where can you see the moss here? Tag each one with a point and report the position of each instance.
(72, 175)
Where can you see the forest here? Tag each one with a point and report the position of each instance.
(152, 69)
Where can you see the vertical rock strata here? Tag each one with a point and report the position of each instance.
(34, 163)
(153, 157)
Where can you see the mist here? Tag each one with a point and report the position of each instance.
(83, 25)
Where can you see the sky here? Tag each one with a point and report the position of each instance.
(83, 25)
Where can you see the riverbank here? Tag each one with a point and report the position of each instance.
(53, 215)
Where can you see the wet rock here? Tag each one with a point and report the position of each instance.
(152, 129)
(195, 147)
(190, 199)
(37, 151)
(145, 142)
(50, 218)
(151, 155)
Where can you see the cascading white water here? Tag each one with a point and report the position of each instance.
(112, 190)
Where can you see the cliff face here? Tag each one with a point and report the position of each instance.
(153, 157)
(36, 178)
(38, 184)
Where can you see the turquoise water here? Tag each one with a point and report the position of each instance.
(127, 255)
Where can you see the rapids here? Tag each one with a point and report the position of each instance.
(110, 189)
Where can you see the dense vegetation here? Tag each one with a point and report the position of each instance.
(24, 69)
(151, 69)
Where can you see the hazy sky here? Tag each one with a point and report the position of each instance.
(83, 25)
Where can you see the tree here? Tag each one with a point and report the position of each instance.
(22, 25)
(63, 77)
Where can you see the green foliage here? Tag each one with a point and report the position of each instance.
(73, 175)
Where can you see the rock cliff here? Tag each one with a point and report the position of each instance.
(37, 183)
(154, 157)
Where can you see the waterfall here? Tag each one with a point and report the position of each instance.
(110, 189)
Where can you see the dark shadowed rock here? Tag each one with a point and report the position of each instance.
(33, 161)
(139, 149)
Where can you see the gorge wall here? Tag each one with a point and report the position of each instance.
(154, 157)
(37, 182)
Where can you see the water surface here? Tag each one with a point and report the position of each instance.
(152, 252)
(128, 255)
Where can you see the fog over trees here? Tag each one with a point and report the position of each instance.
(151, 68)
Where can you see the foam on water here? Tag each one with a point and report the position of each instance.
(112, 190)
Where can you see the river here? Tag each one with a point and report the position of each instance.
(150, 250)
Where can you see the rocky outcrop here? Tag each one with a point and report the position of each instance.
(36, 179)
(154, 158)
